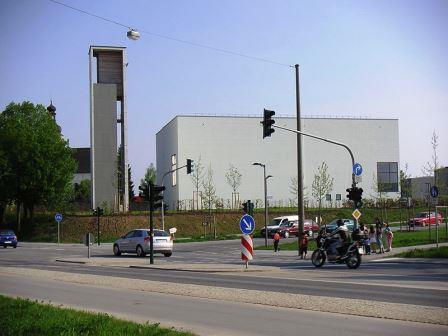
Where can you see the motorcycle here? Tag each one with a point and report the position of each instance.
(349, 253)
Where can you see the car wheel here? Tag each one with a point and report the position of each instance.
(117, 251)
(15, 246)
(168, 254)
(4, 246)
(286, 234)
(140, 251)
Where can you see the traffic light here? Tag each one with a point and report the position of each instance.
(98, 212)
(350, 193)
(246, 207)
(250, 207)
(357, 197)
(144, 191)
(267, 123)
(155, 196)
(189, 166)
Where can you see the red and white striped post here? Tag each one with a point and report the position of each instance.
(247, 249)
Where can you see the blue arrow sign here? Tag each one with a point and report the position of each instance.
(434, 191)
(247, 224)
(58, 217)
(357, 169)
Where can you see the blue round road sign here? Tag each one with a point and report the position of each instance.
(434, 191)
(58, 217)
(357, 169)
(247, 224)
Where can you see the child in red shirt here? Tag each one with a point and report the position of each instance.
(303, 245)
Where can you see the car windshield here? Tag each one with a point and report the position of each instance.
(275, 222)
(286, 224)
(6, 233)
(422, 215)
(160, 234)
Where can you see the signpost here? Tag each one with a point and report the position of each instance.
(356, 214)
(58, 218)
(88, 240)
(434, 191)
(247, 227)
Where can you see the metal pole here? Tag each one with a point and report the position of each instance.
(163, 214)
(98, 223)
(265, 208)
(59, 230)
(300, 205)
(151, 236)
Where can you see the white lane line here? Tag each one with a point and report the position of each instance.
(385, 259)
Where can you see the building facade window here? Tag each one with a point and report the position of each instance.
(328, 197)
(173, 167)
(338, 197)
(387, 176)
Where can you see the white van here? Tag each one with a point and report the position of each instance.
(276, 223)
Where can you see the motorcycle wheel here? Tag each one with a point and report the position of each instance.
(318, 258)
(353, 261)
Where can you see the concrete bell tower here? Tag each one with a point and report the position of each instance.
(108, 108)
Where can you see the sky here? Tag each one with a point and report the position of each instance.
(377, 59)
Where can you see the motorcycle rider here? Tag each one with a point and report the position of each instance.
(341, 235)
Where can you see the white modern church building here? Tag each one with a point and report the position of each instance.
(218, 142)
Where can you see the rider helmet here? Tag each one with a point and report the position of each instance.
(340, 222)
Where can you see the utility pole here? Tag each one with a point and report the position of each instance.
(300, 205)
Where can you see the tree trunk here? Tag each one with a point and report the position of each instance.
(2, 213)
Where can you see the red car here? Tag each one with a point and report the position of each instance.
(292, 228)
(426, 218)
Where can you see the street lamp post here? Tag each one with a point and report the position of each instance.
(265, 178)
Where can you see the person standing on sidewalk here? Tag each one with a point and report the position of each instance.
(379, 234)
(303, 245)
(389, 237)
(276, 241)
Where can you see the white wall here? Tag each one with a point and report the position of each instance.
(238, 140)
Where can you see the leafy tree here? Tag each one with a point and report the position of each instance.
(150, 175)
(322, 185)
(130, 184)
(82, 191)
(39, 161)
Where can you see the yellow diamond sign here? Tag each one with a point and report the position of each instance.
(356, 214)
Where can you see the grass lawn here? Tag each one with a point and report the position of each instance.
(441, 252)
(405, 238)
(25, 317)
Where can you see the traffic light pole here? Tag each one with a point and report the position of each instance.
(326, 140)
(163, 203)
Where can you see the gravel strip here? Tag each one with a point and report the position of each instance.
(395, 311)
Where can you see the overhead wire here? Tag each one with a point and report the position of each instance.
(166, 37)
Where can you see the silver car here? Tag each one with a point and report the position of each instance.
(137, 241)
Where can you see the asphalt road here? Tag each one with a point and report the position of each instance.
(208, 317)
(421, 283)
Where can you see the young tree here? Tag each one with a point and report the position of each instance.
(209, 190)
(233, 178)
(322, 185)
(294, 189)
(197, 176)
(40, 160)
(430, 167)
(130, 184)
(405, 185)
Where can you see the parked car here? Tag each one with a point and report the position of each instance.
(292, 228)
(350, 223)
(426, 218)
(276, 223)
(137, 241)
(8, 238)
